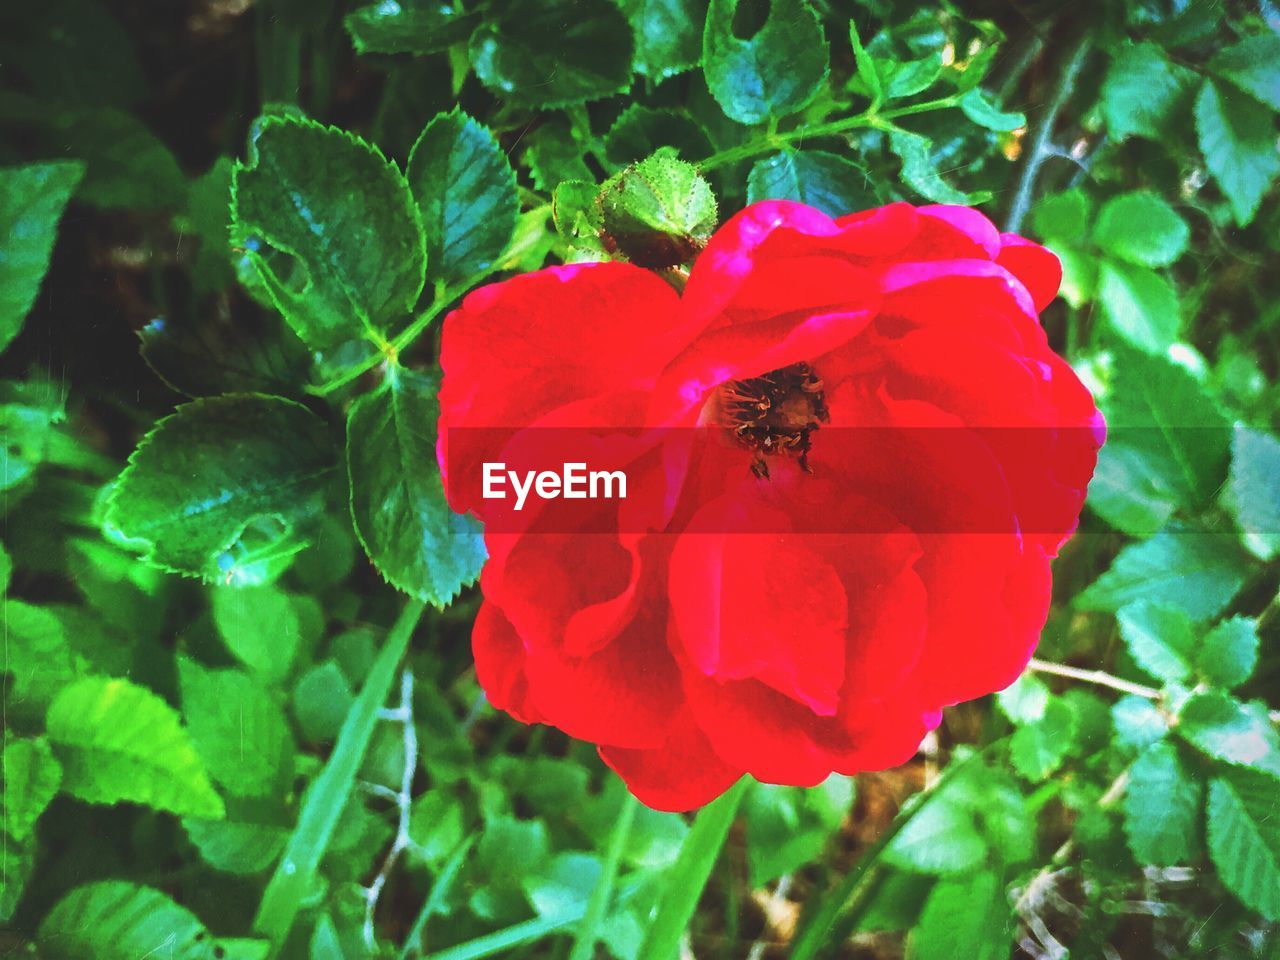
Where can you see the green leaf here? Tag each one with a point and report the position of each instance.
(640, 131)
(36, 655)
(208, 216)
(1198, 573)
(900, 79)
(32, 199)
(114, 920)
(562, 884)
(828, 182)
(1244, 838)
(1138, 722)
(1252, 491)
(941, 838)
(1064, 217)
(977, 106)
(1127, 493)
(419, 27)
(1140, 305)
(260, 625)
(435, 827)
(1038, 748)
(345, 217)
(777, 71)
(1253, 65)
(1142, 229)
(32, 776)
(921, 174)
(550, 53)
(1238, 140)
(1175, 428)
(239, 731)
(687, 878)
(397, 498)
(1226, 729)
(866, 65)
(209, 355)
(1162, 805)
(555, 154)
(225, 488)
(118, 741)
(967, 917)
(668, 35)
(788, 827)
(16, 866)
(1025, 700)
(1161, 639)
(1229, 653)
(235, 845)
(466, 193)
(1143, 92)
(321, 701)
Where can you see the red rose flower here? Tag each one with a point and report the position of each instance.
(897, 456)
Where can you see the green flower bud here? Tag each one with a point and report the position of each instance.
(657, 213)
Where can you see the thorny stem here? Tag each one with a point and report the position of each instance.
(1041, 144)
(404, 801)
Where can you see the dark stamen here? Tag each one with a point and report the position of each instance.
(775, 414)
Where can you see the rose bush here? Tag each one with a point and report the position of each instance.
(899, 456)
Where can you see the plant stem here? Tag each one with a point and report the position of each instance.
(1042, 140)
(584, 946)
(868, 118)
(1097, 677)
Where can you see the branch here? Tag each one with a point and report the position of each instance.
(1097, 677)
(403, 798)
(1041, 145)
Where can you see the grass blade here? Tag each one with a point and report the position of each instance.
(296, 871)
(688, 877)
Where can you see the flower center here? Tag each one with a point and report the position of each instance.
(774, 414)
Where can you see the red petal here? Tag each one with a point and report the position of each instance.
(682, 774)
(1038, 269)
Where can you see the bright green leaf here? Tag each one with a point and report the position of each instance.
(466, 193)
(321, 700)
(920, 173)
(1238, 140)
(967, 917)
(1064, 216)
(977, 106)
(551, 53)
(1226, 729)
(1038, 748)
(260, 625)
(236, 845)
(1244, 838)
(31, 202)
(1253, 65)
(830, 183)
(1143, 92)
(906, 78)
(776, 72)
(1142, 229)
(1025, 700)
(562, 885)
(941, 838)
(1197, 573)
(115, 920)
(555, 154)
(346, 219)
(1162, 805)
(1140, 305)
(36, 655)
(1229, 652)
(668, 35)
(1253, 493)
(397, 498)
(419, 27)
(225, 488)
(1161, 639)
(239, 731)
(118, 741)
(32, 776)
(1138, 722)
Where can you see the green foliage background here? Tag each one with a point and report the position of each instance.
(240, 718)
